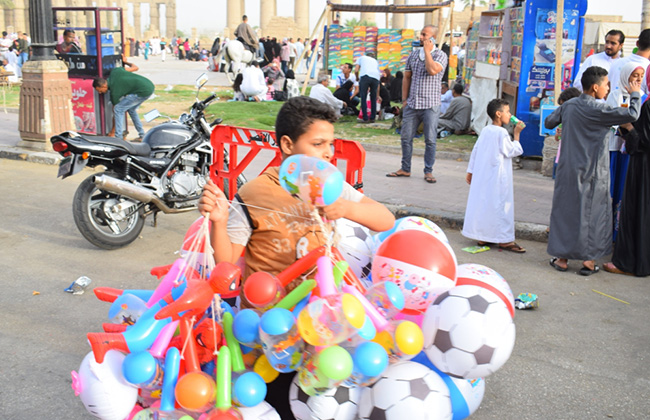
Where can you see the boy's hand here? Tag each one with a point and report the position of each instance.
(468, 178)
(627, 126)
(558, 133)
(635, 86)
(334, 211)
(214, 201)
(519, 127)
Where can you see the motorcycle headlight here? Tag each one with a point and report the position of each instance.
(183, 118)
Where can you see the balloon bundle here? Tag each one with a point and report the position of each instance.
(407, 332)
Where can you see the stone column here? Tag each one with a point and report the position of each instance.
(301, 16)
(170, 14)
(154, 17)
(137, 25)
(45, 94)
(370, 17)
(233, 17)
(267, 11)
(399, 21)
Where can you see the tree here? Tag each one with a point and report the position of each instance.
(472, 3)
(355, 22)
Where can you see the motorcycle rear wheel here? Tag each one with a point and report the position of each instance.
(94, 215)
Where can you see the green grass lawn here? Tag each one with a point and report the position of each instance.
(175, 100)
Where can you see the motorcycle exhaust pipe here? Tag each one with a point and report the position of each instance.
(144, 195)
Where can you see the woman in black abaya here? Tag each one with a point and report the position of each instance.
(632, 247)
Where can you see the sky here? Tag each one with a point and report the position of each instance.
(212, 16)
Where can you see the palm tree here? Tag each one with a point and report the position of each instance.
(471, 3)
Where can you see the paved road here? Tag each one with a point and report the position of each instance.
(581, 355)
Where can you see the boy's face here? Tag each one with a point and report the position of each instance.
(601, 89)
(503, 115)
(317, 141)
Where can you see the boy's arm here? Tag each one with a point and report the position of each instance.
(367, 212)
(615, 116)
(554, 119)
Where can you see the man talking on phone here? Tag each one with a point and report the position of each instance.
(421, 101)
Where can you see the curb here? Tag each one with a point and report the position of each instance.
(452, 220)
(14, 153)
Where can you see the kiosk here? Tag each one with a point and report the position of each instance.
(100, 38)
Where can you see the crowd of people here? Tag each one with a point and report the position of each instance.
(14, 53)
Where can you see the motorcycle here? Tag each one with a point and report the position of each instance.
(165, 173)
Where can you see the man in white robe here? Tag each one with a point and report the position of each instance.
(490, 212)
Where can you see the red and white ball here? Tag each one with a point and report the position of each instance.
(482, 276)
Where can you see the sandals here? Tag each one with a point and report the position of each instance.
(557, 267)
(611, 268)
(481, 243)
(586, 271)
(398, 173)
(429, 178)
(513, 247)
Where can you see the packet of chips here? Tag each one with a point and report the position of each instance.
(527, 301)
(476, 249)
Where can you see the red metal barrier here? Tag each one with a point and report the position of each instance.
(231, 140)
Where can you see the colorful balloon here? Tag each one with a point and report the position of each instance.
(331, 320)
(246, 327)
(263, 368)
(311, 179)
(224, 386)
(195, 391)
(325, 370)
(422, 265)
(370, 360)
(281, 341)
(263, 290)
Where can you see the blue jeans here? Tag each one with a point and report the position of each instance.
(22, 58)
(128, 103)
(411, 119)
(365, 83)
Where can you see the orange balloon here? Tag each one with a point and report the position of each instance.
(196, 391)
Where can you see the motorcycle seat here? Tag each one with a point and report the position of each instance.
(138, 149)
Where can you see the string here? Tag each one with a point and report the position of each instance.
(216, 298)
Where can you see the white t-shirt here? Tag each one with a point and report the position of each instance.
(601, 60)
(240, 230)
(368, 66)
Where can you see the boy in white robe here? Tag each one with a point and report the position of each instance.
(490, 213)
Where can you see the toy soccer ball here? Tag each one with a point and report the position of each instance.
(262, 411)
(468, 332)
(340, 403)
(406, 390)
(480, 275)
(355, 243)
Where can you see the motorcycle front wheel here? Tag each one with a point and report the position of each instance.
(105, 219)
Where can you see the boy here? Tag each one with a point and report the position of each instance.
(275, 228)
(490, 214)
(581, 216)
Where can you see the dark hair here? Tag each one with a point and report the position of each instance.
(494, 106)
(347, 85)
(458, 89)
(244, 17)
(399, 75)
(614, 32)
(255, 63)
(99, 82)
(370, 54)
(348, 65)
(298, 113)
(644, 40)
(236, 86)
(567, 94)
(68, 32)
(592, 76)
(290, 74)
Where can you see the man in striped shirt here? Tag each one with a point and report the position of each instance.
(421, 102)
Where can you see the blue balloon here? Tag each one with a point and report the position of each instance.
(249, 389)
(142, 368)
(172, 366)
(246, 327)
(395, 294)
(367, 330)
(370, 359)
(277, 321)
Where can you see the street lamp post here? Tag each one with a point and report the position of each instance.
(45, 93)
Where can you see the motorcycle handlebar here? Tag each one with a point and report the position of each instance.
(209, 99)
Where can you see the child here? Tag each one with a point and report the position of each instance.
(236, 87)
(566, 94)
(270, 90)
(581, 215)
(490, 215)
(272, 226)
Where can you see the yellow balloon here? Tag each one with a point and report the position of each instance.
(265, 370)
(353, 310)
(409, 338)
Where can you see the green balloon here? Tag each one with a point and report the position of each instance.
(335, 362)
(339, 271)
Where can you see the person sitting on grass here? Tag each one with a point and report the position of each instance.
(321, 92)
(458, 116)
(490, 212)
(272, 226)
(254, 84)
